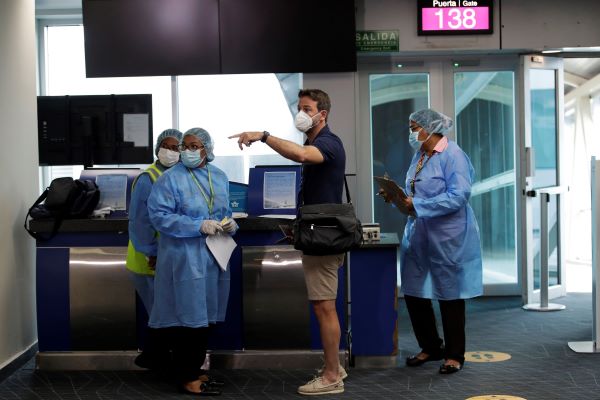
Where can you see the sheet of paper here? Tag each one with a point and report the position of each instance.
(396, 193)
(113, 191)
(279, 190)
(135, 129)
(221, 246)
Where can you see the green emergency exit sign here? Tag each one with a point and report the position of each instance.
(377, 41)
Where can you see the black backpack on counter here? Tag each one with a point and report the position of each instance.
(65, 198)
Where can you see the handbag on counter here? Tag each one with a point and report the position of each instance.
(64, 198)
(328, 228)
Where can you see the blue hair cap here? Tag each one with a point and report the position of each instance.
(205, 138)
(167, 133)
(432, 121)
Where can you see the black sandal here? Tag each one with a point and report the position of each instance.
(449, 368)
(205, 391)
(210, 381)
(414, 361)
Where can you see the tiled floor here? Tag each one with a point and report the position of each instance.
(542, 366)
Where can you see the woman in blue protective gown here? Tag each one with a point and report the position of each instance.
(188, 203)
(143, 243)
(441, 249)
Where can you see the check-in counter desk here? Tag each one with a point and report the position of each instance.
(86, 302)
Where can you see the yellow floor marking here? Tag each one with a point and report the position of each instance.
(486, 356)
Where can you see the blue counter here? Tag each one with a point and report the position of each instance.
(369, 307)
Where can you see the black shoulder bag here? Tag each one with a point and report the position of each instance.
(64, 198)
(328, 228)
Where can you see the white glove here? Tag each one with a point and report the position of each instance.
(210, 227)
(229, 225)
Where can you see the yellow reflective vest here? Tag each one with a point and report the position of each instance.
(137, 262)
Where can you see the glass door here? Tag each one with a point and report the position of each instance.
(542, 125)
(393, 98)
(388, 91)
(485, 130)
(480, 96)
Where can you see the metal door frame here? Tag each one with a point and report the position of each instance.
(526, 167)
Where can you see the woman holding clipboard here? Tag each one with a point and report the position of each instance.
(441, 250)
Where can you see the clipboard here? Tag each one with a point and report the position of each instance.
(396, 193)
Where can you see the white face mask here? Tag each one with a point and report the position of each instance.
(167, 157)
(304, 122)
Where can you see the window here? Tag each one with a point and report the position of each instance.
(225, 105)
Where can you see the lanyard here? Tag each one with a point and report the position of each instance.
(209, 201)
(418, 168)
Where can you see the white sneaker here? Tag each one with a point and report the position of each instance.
(341, 370)
(316, 387)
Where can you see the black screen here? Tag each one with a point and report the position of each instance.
(88, 130)
(287, 36)
(151, 37)
(53, 130)
(91, 128)
(189, 37)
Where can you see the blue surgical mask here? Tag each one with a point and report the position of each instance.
(191, 159)
(413, 139)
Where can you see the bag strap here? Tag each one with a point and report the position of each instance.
(347, 190)
(57, 220)
(38, 201)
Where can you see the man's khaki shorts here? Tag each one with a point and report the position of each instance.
(321, 275)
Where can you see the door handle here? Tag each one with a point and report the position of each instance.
(529, 162)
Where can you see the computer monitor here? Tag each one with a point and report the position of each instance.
(115, 187)
(273, 189)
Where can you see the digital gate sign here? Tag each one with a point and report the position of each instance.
(454, 17)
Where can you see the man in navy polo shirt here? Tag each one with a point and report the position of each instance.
(324, 164)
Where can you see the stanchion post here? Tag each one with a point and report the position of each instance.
(592, 347)
(543, 305)
(544, 199)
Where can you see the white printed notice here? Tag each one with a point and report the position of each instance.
(135, 129)
(279, 190)
(113, 191)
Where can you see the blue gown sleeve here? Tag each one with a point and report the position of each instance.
(458, 178)
(163, 208)
(141, 232)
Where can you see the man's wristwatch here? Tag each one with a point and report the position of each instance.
(265, 136)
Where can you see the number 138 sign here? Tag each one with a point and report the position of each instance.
(455, 17)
